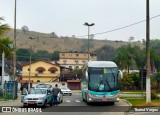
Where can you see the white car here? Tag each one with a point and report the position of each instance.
(65, 90)
(37, 96)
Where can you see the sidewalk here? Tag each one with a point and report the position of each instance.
(16, 102)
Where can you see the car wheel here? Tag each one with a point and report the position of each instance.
(62, 101)
(111, 103)
(70, 94)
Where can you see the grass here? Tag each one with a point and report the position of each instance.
(132, 92)
(1, 98)
(142, 102)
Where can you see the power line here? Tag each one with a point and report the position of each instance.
(121, 27)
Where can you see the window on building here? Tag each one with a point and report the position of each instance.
(63, 54)
(64, 61)
(40, 71)
(84, 61)
(76, 61)
(70, 67)
(70, 54)
(77, 55)
(53, 71)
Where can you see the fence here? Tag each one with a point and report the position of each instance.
(10, 90)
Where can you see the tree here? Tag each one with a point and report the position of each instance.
(105, 53)
(22, 54)
(5, 42)
(55, 55)
(25, 29)
(3, 28)
(131, 39)
(125, 57)
(77, 72)
(156, 79)
(54, 34)
(5, 46)
(139, 57)
(127, 81)
(121, 57)
(41, 55)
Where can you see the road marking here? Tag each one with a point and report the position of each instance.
(77, 101)
(68, 101)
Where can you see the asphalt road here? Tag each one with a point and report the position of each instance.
(74, 105)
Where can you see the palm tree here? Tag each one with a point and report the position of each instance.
(5, 46)
(4, 42)
(3, 28)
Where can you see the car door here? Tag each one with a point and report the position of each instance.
(49, 96)
(23, 94)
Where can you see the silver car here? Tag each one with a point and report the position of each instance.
(37, 96)
(47, 85)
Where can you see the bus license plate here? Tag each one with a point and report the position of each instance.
(104, 99)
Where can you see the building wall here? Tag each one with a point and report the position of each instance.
(46, 76)
(74, 55)
(75, 59)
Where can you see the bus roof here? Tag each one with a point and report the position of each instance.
(101, 64)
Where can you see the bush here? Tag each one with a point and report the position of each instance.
(154, 94)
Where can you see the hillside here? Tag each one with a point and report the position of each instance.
(50, 43)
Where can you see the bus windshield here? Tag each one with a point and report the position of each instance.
(103, 79)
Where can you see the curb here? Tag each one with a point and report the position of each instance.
(127, 102)
(9, 100)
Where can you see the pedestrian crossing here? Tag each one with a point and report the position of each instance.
(68, 101)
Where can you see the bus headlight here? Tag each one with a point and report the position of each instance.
(117, 99)
(89, 99)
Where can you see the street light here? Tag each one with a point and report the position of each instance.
(86, 24)
(30, 63)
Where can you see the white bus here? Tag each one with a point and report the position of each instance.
(100, 82)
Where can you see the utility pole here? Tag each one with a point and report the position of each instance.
(148, 81)
(30, 60)
(86, 24)
(14, 54)
(29, 83)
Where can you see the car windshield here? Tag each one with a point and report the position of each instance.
(103, 79)
(37, 91)
(43, 86)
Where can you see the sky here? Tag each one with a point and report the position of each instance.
(66, 17)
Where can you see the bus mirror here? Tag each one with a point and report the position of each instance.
(120, 74)
(86, 75)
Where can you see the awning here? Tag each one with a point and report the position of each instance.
(40, 69)
(52, 69)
